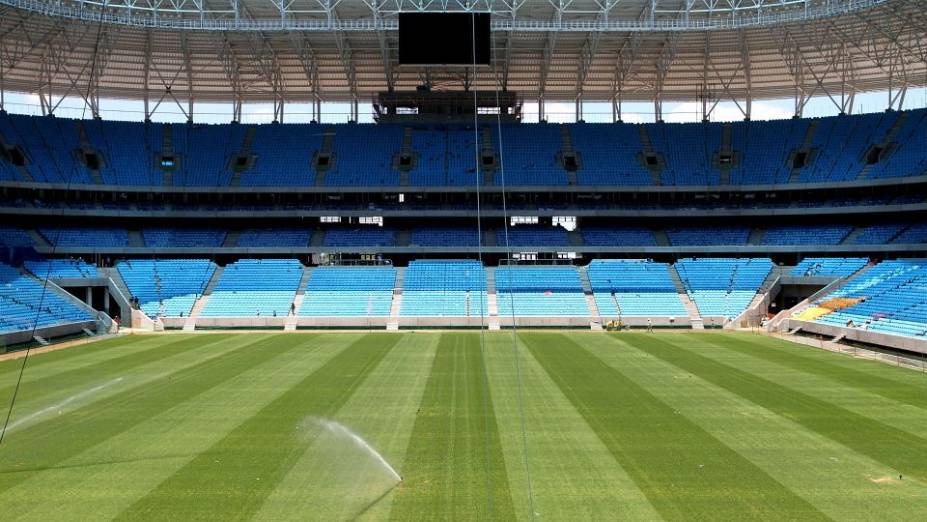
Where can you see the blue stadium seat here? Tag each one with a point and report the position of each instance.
(349, 292)
(444, 288)
(25, 304)
(255, 288)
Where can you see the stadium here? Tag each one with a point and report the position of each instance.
(463, 260)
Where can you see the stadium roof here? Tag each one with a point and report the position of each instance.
(168, 51)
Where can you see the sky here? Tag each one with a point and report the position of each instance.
(636, 112)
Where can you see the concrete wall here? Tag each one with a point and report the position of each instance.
(48, 332)
(897, 342)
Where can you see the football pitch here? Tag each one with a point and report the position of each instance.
(461, 426)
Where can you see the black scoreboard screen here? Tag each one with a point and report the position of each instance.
(458, 39)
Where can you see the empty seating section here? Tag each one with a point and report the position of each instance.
(879, 234)
(461, 158)
(533, 235)
(255, 288)
(446, 236)
(529, 155)
(617, 236)
(829, 266)
(444, 288)
(62, 269)
(14, 237)
(806, 235)
(634, 287)
(688, 149)
(908, 156)
(274, 237)
(26, 305)
(283, 155)
(205, 152)
(723, 286)
(86, 237)
(349, 291)
(429, 145)
(166, 287)
(893, 299)
(362, 236)
(128, 153)
(180, 238)
(364, 155)
(703, 236)
(764, 149)
(540, 291)
(49, 145)
(840, 143)
(914, 234)
(609, 154)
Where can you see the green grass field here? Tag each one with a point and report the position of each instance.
(565, 426)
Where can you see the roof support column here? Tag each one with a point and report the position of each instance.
(187, 58)
(748, 76)
(2, 84)
(146, 75)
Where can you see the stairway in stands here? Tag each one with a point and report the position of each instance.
(21, 170)
(167, 149)
(726, 148)
(86, 146)
(37, 238)
(491, 238)
(888, 143)
(567, 149)
(392, 324)
(403, 238)
(595, 318)
(486, 148)
(189, 323)
(246, 152)
(328, 138)
(695, 317)
(851, 238)
(576, 238)
(647, 148)
(406, 151)
(136, 239)
(795, 175)
(231, 239)
(661, 238)
(756, 236)
(113, 274)
(492, 299)
(318, 238)
(291, 320)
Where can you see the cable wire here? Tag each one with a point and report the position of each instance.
(54, 248)
(487, 413)
(520, 395)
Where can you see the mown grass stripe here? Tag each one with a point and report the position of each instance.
(685, 472)
(132, 463)
(64, 357)
(83, 376)
(77, 351)
(47, 444)
(237, 473)
(900, 450)
(454, 467)
(787, 355)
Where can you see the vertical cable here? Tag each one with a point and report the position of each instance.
(479, 227)
(520, 396)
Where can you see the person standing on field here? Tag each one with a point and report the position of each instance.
(649, 325)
